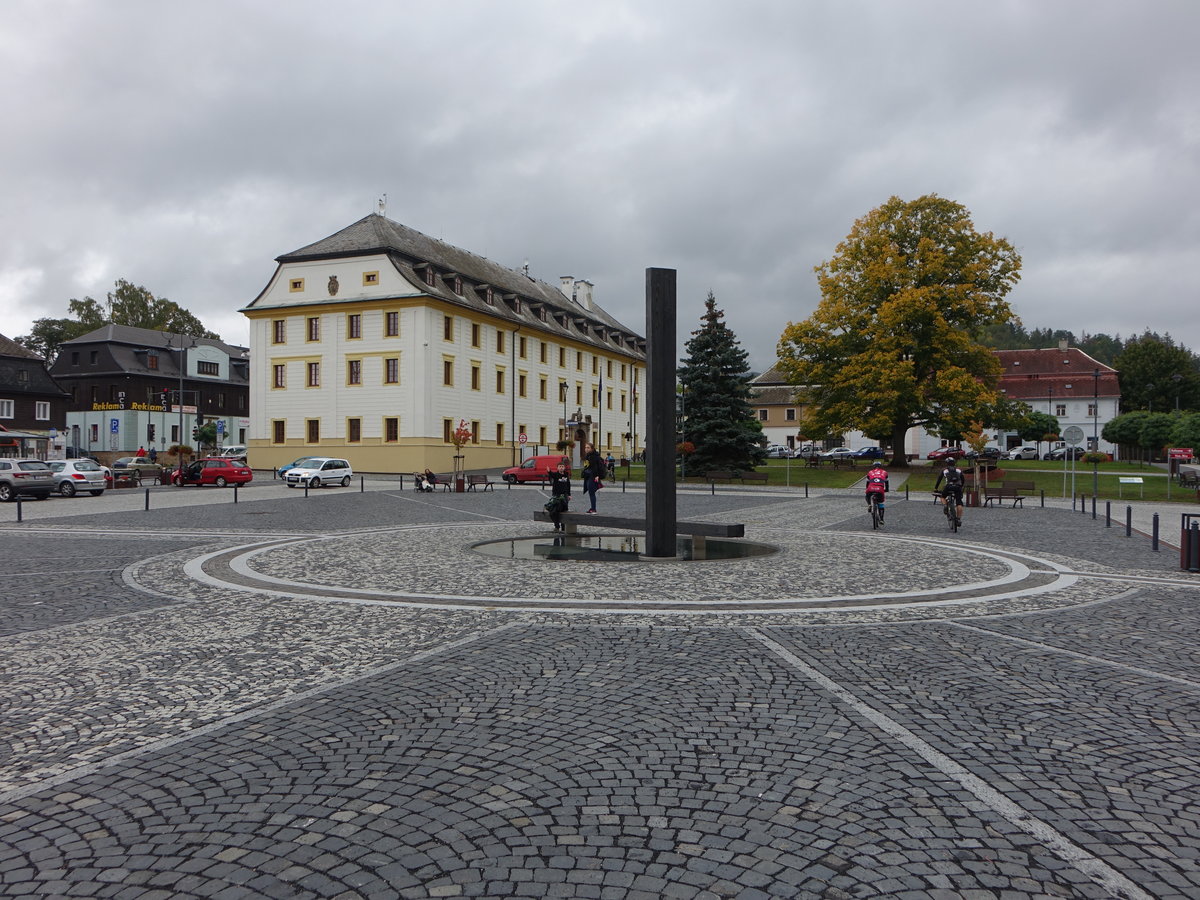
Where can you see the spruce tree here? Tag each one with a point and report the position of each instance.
(715, 380)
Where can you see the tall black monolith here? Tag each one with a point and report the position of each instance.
(660, 413)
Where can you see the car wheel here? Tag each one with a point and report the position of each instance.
(314, 482)
(67, 489)
(346, 481)
(6, 493)
(511, 479)
(95, 493)
(219, 481)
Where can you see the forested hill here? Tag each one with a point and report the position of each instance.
(1101, 347)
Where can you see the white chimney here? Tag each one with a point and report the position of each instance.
(1062, 344)
(567, 284)
(584, 293)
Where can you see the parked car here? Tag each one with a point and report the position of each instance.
(947, 453)
(868, 453)
(778, 451)
(1065, 453)
(74, 475)
(235, 451)
(1022, 453)
(985, 453)
(30, 477)
(302, 461)
(145, 469)
(216, 470)
(838, 453)
(318, 471)
(536, 468)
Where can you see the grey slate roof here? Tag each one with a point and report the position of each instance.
(409, 249)
(9, 347)
(124, 341)
(24, 372)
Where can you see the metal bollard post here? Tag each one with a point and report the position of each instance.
(1043, 498)
(1093, 507)
(806, 490)
(274, 473)
(1108, 514)
(306, 489)
(906, 491)
(1128, 521)
(147, 499)
(235, 499)
(362, 484)
(623, 482)
(1154, 534)
(1194, 547)
(18, 507)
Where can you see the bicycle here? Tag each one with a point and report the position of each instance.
(874, 501)
(948, 509)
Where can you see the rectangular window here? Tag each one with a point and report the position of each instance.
(429, 275)
(521, 347)
(279, 331)
(579, 395)
(521, 379)
(314, 328)
(1060, 409)
(499, 341)
(474, 378)
(790, 415)
(94, 356)
(562, 357)
(474, 432)
(499, 381)
(313, 428)
(1092, 409)
(458, 285)
(41, 410)
(391, 430)
(391, 370)
(207, 368)
(500, 433)
(370, 279)
(595, 397)
(762, 415)
(595, 365)
(391, 323)
(447, 328)
(474, 334)
(354, 430)
(609, 369)
(296, 285)
(448, 372)
(314, 374)
(608, 400)
(277, 431)
(542, 388)
(578, 360)
(354, 326)
(447, 431)
(354, 371)
(152, 361)
(6, 409)
(622, 371)
(279, 376)
(542, 435)
(74, 357)
(542, 352)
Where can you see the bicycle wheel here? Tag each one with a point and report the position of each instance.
(876, 521)
(951, 514)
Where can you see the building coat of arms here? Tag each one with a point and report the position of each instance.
(333, 286)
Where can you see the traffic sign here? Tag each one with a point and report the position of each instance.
(220, 426)
(1073, 435)
(114, 426)
(522, 438)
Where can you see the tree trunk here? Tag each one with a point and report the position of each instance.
(899, 458)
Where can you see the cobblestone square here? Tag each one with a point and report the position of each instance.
(335, 696)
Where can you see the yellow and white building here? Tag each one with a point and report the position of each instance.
(376, 342)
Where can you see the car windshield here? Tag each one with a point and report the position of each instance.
(86, 465)
(303, 461)
(57, 466)
(33, 465)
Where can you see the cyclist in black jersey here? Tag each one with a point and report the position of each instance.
(953, 477)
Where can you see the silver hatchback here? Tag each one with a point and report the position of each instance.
(74, 475)
(25, 476)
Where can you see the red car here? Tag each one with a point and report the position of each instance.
(947, 453)
(213, 470)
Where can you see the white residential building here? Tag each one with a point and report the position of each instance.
(376, 342)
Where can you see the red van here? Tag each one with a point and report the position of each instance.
(536, 468)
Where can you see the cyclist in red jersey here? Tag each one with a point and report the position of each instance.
(877, 485)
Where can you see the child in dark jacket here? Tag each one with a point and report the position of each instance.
(560, 495)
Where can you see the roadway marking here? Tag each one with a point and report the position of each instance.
(1113, 882)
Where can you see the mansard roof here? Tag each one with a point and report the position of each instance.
(1060, 372)
(410, 251)
(24, 372)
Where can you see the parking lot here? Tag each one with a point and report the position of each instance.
(332, 695)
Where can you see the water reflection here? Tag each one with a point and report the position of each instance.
(616, 548)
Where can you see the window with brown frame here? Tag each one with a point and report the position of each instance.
(391, 323)
(314, 374)
(314, 329)
(354, 371)
(279, 331)
(448, 372)
(474, 334)
(447, 431)
(354, 326)
(499, 341)
(278, 431)
(499, 381)
(391, 370)
(474, 378)
(391, 430)
(313, 428)
(354, 430)
(447, 328)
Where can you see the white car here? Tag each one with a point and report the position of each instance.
(1022, 453)
(838, 453)
(234, 451)
(778, 451)
(318, 471)
(74, 475)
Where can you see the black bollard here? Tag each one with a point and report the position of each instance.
(1128, 521)
(147, 499)
(1093, 507)
(1108, 514)
(1154, 534)
(235, 500)
(18, 507)
(362, 484)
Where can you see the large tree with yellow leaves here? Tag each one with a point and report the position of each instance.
(894, 342)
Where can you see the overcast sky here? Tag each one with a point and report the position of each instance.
(184, 146)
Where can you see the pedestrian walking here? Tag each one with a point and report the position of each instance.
(593, 472)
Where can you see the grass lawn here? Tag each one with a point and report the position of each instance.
(777, 471)
(1048, 476)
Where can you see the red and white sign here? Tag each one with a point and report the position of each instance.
(522, 438)
(1179, 453)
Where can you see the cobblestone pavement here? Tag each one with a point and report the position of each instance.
(335, 696)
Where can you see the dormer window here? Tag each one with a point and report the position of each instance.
(489, 296)
(152, 361)
(458, 285)
(429, 275)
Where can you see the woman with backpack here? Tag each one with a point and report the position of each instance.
(593, 470)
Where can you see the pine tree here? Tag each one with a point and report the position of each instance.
(715, 381)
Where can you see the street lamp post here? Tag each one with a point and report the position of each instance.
(1095, 432)
(1178, 379)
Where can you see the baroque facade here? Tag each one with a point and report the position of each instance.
(377, 342)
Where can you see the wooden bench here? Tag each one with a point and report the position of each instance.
(843, 462)
(753, 476)
(479, 481)
(718, 475)
(812, 462)
(1016, 491)
(698, 531)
